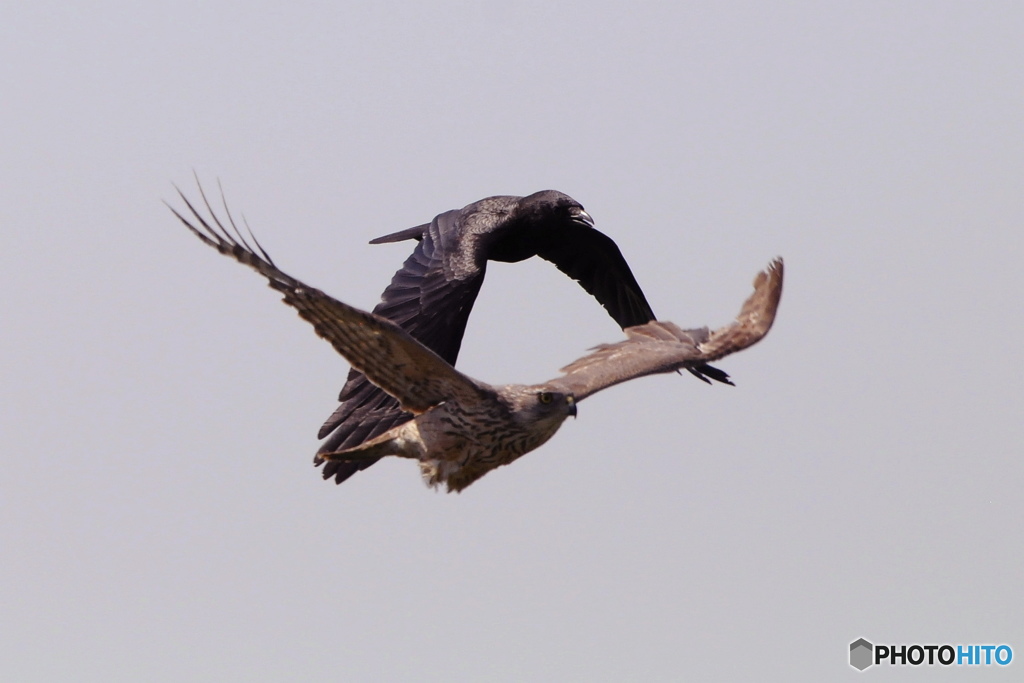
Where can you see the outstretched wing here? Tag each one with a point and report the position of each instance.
(664, 347)
(413, 374)
(428, 304)
(593, 259)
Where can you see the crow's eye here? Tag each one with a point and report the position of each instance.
(545, 397)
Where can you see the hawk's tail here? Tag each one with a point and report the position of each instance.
(388, 443)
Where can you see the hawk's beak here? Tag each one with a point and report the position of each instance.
(583, 218)
(571, 402)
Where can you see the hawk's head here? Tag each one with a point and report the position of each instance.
(538, 409)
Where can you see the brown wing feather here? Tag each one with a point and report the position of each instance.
(664, 347)
(375, 346)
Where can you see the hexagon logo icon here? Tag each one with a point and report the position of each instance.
(860, 654)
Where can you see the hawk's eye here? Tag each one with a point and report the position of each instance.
(545, 397)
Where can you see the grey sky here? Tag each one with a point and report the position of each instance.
(160, 517)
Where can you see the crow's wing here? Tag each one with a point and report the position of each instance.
(429, 303)
(593, 259)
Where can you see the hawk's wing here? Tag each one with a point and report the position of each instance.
(593, 259)
(664, 347)
(413, 374)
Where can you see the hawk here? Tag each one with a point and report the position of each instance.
(461, 428)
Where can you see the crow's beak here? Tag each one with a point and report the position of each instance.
(583, 218)
(571, 402)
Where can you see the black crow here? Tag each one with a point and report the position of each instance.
(431, 296)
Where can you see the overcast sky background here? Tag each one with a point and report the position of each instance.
(160, 518)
